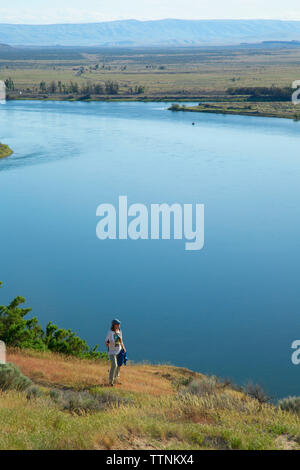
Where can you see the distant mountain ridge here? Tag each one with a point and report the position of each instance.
(169, 32)
(5, 46)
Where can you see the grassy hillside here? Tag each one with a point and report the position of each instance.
(156, 407)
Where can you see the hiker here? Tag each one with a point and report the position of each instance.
(115, 344)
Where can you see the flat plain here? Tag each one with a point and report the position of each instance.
(182, 73)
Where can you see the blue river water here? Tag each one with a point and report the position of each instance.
(230, 309)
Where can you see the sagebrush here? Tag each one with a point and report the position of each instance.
(12, 379)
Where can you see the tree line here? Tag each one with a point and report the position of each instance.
(17, 331)
(263, 93)
(109, 87)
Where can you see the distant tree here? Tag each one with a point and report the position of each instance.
(175, 107)
(43, 87)
(98, 89)
(9, 84)
(111, 88)
(52, 88)
(86, 89)
(139, 90)
(74, 87)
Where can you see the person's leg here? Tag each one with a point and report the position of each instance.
(113, 367)
(117, 372)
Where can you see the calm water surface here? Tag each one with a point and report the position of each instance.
(231, 309)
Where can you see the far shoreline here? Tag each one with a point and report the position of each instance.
(282, 110)
(273, 109)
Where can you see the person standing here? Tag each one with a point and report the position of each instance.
(114, 342)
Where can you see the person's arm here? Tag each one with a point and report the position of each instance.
(122, 344)
(107, 341)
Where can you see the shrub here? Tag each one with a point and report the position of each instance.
(203, 386)
(257, 392)
(33, 392)
(85, 402)
(54, 395)
(79, 402)
(175, 107)
(17, 331)
(11, 378)
(290, 404)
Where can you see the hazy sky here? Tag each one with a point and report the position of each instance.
(79, 11)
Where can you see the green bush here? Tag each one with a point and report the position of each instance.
(11, 378)
(33, 392)
(175, 107)
(16, 331)
(290, 404)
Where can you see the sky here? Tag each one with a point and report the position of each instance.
(79, 11)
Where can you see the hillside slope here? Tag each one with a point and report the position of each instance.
(166, 32)
(156, 407)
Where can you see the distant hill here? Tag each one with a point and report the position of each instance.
(169, 32)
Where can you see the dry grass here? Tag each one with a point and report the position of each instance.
(61, 371)
(162, 408)
(187, 72)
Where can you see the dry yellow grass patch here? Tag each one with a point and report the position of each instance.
(58, 370)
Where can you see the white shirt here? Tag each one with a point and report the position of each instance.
(114, 338)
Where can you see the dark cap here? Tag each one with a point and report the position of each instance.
(116, 322)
